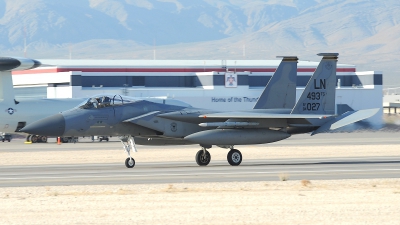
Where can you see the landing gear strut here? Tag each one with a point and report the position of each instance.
(203, 157)
(234, 157)
(129, 144)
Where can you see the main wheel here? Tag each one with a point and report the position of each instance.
(203, 159)
(234, 157)
(43, 139)
(34, 139)
(129, 162)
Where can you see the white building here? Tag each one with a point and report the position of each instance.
(200, 83)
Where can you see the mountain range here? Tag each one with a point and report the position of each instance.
(365, 32)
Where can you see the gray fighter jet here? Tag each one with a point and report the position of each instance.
(152, 121)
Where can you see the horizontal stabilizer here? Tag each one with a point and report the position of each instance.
(346, 119)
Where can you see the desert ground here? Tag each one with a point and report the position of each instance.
(373, 201)
(289, 202)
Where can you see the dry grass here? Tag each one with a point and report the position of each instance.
(283, 177)
(305, 183)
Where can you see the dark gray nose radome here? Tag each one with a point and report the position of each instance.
(49, 126)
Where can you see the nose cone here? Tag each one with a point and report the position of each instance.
(49, 126)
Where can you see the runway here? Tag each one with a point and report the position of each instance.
(362, 138)
(217, 171)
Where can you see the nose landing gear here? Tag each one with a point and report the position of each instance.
(129, 144)
(203, 157)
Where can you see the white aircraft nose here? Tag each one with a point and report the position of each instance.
(49, 126)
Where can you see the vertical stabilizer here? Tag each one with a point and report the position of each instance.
(280, 92)
(319, 95)
(6, 87)
(8, 64)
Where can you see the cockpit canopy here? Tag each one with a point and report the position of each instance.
(102, 101)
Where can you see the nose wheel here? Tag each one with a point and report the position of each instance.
(203, 157)
(129, 144)
(234, 157)
(129, 162)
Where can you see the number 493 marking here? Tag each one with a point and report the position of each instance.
(315, 95)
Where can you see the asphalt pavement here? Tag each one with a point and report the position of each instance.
(216, 171)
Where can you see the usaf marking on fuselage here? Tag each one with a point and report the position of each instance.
(150, 121)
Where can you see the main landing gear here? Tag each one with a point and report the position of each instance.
(129, 144)
(36, 139)
(234, 157)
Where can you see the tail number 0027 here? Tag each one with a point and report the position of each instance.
(310, 106)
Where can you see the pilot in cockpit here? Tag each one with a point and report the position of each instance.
(103, 101)
(106, 101)
(91, 103)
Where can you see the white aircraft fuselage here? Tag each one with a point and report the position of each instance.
(14, 113)
(15, 116)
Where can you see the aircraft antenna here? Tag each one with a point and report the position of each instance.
(25, 48)
(70, 51)
(154, 49)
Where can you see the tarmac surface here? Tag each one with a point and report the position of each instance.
(217, 171)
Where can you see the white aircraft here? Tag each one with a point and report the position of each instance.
(14, 114)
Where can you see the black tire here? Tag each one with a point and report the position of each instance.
(234, 157)
(107, 139)
(203, 159)
(43, 139)
(9, 140)
(128, 163)
(2, 140)
(64, 140)
(34, 139)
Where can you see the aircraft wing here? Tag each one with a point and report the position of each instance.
(251, 115)
(144, 116)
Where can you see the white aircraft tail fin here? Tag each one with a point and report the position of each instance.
(6, 87)
(8, 64)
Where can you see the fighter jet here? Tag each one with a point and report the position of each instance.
(150, 121)
(15, 114)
